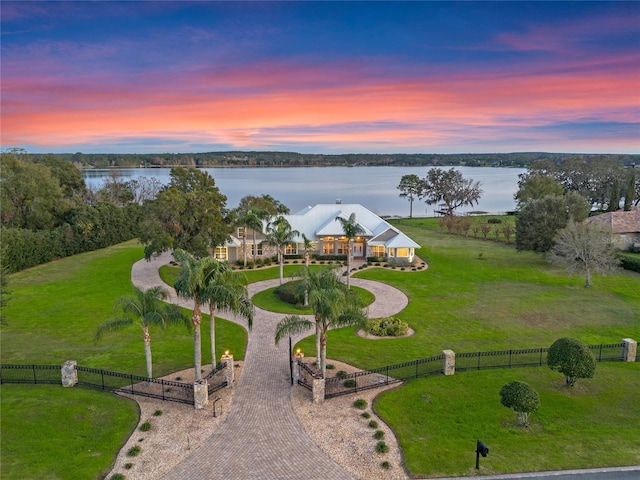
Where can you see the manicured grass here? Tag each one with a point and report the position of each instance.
(438, 419)
(55, 309)
(483, 295)
(51, 432)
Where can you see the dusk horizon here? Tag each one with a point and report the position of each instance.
(330, 78)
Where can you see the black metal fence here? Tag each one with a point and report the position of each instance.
(217, 378)
(527, 357)
(135, 384)
(50, 374)
(307, 375)
(366, 379)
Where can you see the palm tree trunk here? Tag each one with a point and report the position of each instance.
(244, 246)
(349, 263)
(147, 351)
(323, 354)
(255, 249)
(196, 319)
(318, 344)
(281, 255)
(212, 334)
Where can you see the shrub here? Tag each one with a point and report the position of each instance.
(330, 366)
(494, 220)
(365, 415)
(386, 327)
(520, 397)
(290, 292)
(127, 466)
(341, 374)
(157, 413)
(134, 451)
(145, 427)
(350, 383)
(382, 447)
(379, 435)
(630, 262)
(573, 358)
(118, 476)
(360, 403)
(373, 424)
(386, 465)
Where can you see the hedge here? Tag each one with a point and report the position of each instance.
(630, 262)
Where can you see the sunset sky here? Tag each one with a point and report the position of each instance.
(321, 77)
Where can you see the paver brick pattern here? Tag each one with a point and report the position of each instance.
(261, 437)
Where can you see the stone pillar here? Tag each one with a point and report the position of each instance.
(297, 358)
(629, 349)
(448, 362)
(228, 371)
(318, 390)
(200, 394)
(69, 373)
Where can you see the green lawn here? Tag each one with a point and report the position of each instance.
(476, 295)
(483, 295)
(437, 421)
(54, 310)
(268, 300)
(50, 432)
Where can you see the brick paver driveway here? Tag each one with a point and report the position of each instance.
(261, 437)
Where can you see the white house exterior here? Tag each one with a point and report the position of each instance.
(319, 224)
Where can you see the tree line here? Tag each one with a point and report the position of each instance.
(294, 159)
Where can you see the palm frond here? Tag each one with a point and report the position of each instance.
(292, 325)
(111, 326)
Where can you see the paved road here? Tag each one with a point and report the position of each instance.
(619, 473)
(261, 437)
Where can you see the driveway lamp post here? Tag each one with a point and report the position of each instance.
(481, 449)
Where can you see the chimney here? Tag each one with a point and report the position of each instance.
(338, 201)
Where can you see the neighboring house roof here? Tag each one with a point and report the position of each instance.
(619, 221)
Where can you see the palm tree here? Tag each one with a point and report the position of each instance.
(351, 230)
(226, 290)
(333, 305)
(145, 308)
(192, 284)
(280, 234)
(250, 219)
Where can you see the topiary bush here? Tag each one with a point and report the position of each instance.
(520, 397)
(290, 292)
(572, 358)
(386, 327)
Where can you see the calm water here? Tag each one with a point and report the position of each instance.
(373, 187)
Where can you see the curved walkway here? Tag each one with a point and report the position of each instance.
(261, 437)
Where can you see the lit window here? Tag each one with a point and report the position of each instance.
(343, 248)
(377, 250)
(402, 252)
(328, 247)
(291, 249)
(221, 253)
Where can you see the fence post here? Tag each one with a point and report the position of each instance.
(318, 390)
(629, 349)
(69, 373)
(228, 371)
(448, 362)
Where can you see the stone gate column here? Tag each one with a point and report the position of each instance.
(69, 373)
(629, 349)
(448, 362)
(228, 371)
(200, 394)
(318, 390)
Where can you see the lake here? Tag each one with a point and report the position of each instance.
(373, 187)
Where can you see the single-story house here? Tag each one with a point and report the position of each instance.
(623, 226)
(319, 225)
